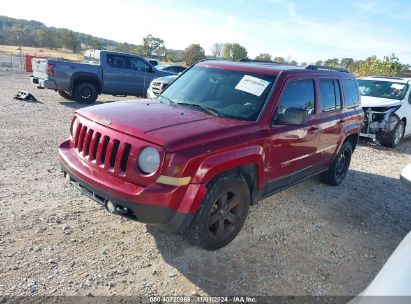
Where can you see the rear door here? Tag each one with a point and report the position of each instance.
(293, 151)
(330, 121)
(118, 76)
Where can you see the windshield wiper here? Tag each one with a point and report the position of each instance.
(200, 107)
(166, 98)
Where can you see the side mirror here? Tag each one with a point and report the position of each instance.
(150, 69)
(293, 117)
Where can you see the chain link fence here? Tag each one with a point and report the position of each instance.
(10, 62)
(17, 62)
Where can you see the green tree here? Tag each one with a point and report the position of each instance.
(193, 54)
(175, 55)
(279, 59)
(388, 66)
(95, 44)
(319, 62)
(47, 38)
(264, 57)
(152, 46)
(293, 62)
(332, 63)
(70, 40)
(353, 67)
(234, 51)
(345, 62)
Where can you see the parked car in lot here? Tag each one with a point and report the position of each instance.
(158, 85)
(221, 137)
(175, 69)
(387, 105)
(392, 283)
(103, 72)
(154, 62)
(406, 176)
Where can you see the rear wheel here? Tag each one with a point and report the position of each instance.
(339, 167)
(85, 92)
(65, 95)
(395, 136)
(222, 212)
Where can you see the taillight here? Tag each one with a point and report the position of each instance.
(50, 69)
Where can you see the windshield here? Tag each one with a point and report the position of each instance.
(227, 93)
(383, 89)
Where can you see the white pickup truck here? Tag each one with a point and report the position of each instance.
(386, 102)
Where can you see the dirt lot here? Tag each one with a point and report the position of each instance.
(311, 239)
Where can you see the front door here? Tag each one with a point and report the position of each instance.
(293, 151)
(142, 75)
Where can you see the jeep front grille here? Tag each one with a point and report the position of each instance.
(99, 149)
(158, 87)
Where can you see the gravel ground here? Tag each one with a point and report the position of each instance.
(311, 239)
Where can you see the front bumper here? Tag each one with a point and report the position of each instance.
(378, 124)
(43, 83)
(170, 207)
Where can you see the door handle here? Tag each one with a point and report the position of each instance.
(313, 130)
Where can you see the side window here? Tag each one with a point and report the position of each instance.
(352, 97)
(117, 61)
(297, 94)
(409, 97)
(138, 64)
(330, 95)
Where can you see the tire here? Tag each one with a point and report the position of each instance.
(85, 92)
(394, 138)
(222, 213)
(339, 167)
(65, 95)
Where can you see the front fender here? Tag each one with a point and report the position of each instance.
(225, 161)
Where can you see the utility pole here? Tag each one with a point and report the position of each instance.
(19, 43)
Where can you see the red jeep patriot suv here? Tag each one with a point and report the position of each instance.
(221, 137)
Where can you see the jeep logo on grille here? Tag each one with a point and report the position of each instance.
(106, 121)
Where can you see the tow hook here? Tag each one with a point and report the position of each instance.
(113, 208)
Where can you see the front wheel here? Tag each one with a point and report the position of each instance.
(395, 136)
(339, 167)
(222, 212)
(86, 92)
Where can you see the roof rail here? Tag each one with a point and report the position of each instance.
(324, 67)
(388, 77)
(257, 60)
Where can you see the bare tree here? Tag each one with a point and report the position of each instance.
(217, 50)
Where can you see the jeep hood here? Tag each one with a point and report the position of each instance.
(370, 102)
(171, 126)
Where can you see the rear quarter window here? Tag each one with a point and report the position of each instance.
(352, 96)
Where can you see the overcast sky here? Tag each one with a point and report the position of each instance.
(296, 29)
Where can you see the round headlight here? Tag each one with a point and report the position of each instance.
(149, 160)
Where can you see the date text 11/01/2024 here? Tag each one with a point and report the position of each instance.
(199, 299)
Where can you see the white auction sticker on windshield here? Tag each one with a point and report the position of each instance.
(397, 86)
(252, 85)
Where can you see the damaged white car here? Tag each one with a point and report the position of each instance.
(386, 102)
